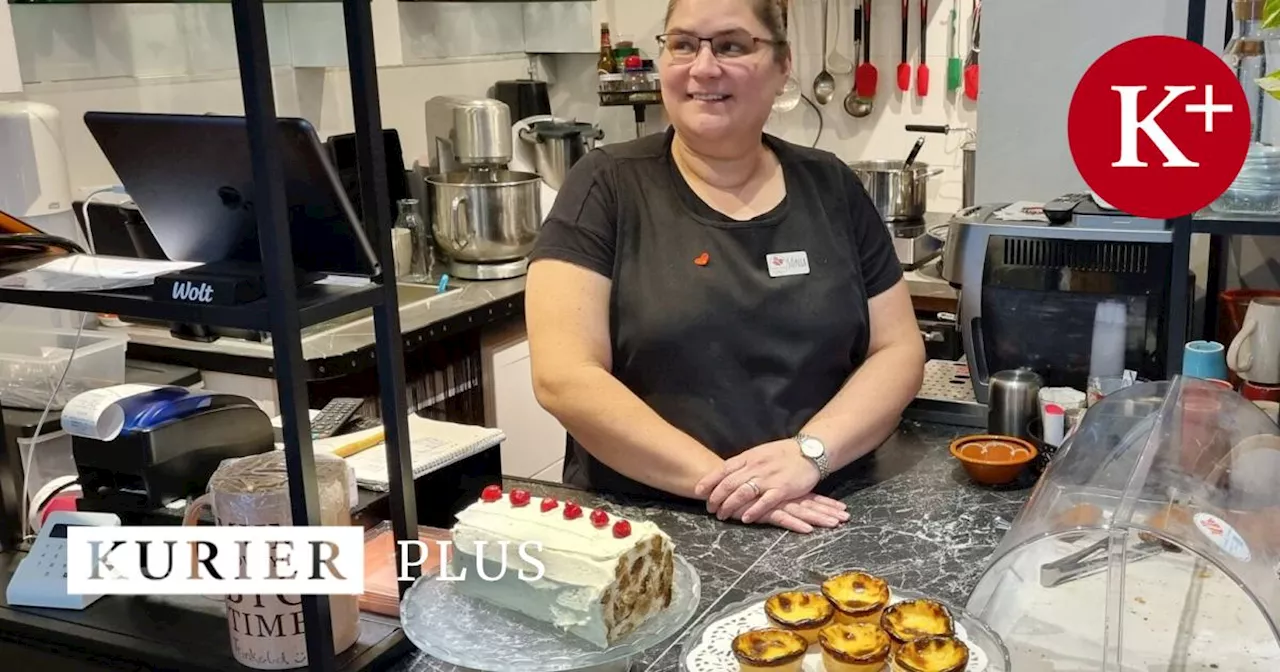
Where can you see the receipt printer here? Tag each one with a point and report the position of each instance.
(168, 451)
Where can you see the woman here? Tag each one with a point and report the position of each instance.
(715, 313)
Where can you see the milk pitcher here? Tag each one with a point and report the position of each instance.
(267, 631)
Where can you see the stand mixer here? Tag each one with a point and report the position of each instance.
(484, 217)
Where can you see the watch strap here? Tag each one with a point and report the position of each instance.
(820, 461)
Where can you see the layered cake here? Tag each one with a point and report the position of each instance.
(588, 572)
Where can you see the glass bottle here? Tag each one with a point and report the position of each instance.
(1256, 190)
(608, 63)
(422, 260)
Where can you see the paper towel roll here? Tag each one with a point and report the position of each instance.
(100, 414)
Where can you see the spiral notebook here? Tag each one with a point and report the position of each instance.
(432, 444)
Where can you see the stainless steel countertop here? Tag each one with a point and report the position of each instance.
(420, 307)
(927, 282)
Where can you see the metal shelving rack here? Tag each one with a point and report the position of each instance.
(285, 310)
(1218, 226)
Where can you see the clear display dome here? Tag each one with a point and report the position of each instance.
(1152, 541)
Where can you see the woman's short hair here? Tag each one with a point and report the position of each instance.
(769, 13)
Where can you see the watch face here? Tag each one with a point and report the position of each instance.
(811, 448)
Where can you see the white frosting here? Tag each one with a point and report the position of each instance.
(573, 552)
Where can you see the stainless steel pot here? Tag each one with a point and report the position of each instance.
(557, 145)
(485, 216)
(899, 195)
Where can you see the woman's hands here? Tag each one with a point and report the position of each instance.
(771, 482)
(802, 514)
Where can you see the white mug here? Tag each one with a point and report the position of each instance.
(1255, 352)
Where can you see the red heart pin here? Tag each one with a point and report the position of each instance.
(702, 259)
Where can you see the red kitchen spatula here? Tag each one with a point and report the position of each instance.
(922, 70)
(867, 77)
(904, 68)
(971, 63)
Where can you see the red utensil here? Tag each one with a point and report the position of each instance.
(922, 71)
(971, 62)
(868, 77)
(904, 68)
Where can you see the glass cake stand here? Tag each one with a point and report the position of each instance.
(709, 648)
(471, 633)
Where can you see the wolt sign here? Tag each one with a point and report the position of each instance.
(1159, 127)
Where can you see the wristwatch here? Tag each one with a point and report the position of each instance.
(813, 449)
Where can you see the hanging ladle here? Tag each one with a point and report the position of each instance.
(824, 85)
(855, 105)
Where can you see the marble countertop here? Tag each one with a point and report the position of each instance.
(917, 521)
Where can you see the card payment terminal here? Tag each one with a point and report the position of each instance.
(41, 577)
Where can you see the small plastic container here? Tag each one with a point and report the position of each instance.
(52, 458)
(33, 360)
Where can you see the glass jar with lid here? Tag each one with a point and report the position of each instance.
(1252, 55)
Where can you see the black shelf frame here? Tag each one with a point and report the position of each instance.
(314, 304)
(286, 310)
(1219, 227)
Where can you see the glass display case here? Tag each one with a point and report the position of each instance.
(1150, 543)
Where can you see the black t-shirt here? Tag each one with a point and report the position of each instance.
(725, 350)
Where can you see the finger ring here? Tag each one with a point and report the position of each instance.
(752, 483)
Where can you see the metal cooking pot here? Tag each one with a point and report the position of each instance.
(899, 195)
(485, 216)
(557, 145)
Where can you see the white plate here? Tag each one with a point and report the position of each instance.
(710, 649)
(471, 633)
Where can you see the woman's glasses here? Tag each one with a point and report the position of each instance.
(683, 48)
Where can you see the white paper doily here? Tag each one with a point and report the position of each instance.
(474, 634)
(710, 650)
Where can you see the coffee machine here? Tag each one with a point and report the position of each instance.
(484, 217)
(1032, 279)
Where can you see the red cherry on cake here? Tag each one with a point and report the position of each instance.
(572, 510)
(548, 504)
(491, 493)
(519, 497)
(599, 518)
(622, 529)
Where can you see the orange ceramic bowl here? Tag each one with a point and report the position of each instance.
(991, 459)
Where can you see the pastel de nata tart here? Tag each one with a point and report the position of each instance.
(769, 650)
(931, 654)
(854, 647)
(858, 597)
(915, 619)
(801, 612)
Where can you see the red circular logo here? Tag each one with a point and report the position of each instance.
(1159, 127)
